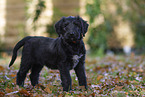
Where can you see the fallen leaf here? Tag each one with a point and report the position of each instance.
(12, 75)
(8, 90)
(99, 77)
(126, 93)
(82, 87)
(60, 95)
(93, 94)
(119, 88)
(24, 93)
(1, 68)
(100, 91)
(40, 86)
(127, 82)
(2, 94)
(4, 54)
(47, 89)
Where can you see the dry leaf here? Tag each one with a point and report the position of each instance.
(93, 94)
(82, 87)
(40, 86)
(119, 88)
(47, 89)
(60, 95)
(12, 75)
(1, 68)
(127, 82)
(4, 54)
(24, 93)
(99, 77)
(2, 94)
(8, 90)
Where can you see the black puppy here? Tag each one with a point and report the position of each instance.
(63, 53)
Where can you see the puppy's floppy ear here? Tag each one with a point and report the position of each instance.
(84, 25)
(58, 26)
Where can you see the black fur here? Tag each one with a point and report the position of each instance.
(63, 53)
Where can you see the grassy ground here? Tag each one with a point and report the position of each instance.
(116, 76)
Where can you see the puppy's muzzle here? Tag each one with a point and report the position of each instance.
(72, 33)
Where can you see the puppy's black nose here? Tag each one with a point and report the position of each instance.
(72, 33)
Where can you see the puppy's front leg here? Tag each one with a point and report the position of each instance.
(80, 72)
(65, 78)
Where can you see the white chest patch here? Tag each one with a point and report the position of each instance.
(76, 59)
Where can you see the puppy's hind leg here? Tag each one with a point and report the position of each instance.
(21, 75)
(34, 76)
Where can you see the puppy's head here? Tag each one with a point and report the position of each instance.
(71, 28)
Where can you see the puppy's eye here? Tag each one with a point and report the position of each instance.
(77, 24)
(65, 24)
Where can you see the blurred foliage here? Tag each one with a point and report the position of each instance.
(136, 16)
(98, 39)
(140, 37)
(93, 9)
(130, 10)
(39, 8)
(38, 11)
(57, 14)
(98, 34)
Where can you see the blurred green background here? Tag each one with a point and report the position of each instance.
(116, 26)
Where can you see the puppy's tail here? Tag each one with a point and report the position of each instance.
(17, 47)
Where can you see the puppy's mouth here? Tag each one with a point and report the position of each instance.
(72, 39)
